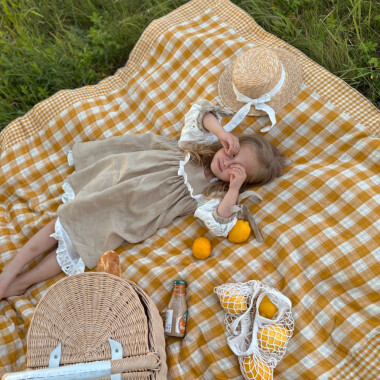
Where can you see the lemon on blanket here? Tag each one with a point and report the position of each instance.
(201, 248)
(233, 303)
(256, 369)
(272, 338)
(267, 308)
(240, 232)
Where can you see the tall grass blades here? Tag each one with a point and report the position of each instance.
(49, 45)
(341, 35)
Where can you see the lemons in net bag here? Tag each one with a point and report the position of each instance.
(272, 338)
(267, 308)
(234, 302)
(255, 369)
(259, 324)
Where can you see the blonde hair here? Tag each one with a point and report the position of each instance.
(271, 162)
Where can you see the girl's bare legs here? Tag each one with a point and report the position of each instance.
(47, 268)
(40, 243)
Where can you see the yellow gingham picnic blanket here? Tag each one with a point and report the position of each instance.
(320, 221)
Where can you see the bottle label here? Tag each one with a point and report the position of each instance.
(180, 325)
(179, 290)
(168, 321)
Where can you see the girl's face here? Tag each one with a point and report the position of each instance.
(221, 162)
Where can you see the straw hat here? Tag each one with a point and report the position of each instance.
(259, 71)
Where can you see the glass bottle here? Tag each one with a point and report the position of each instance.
(176, 313)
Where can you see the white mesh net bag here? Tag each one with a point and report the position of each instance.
(259, 325)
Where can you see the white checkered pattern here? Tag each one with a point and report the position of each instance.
(320, 221)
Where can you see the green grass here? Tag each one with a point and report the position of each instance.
(49, 45)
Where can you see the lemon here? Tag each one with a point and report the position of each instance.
(272, 338)
(233, 303)
(240, 232)
(267, 308)
(256, 369)
(201, 248)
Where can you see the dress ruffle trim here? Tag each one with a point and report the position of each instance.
(206, 213)
(69, 265)
(181, 171)
(70, 158)
(206, 208)
(191, 132)
(68, 193)
(67, 256)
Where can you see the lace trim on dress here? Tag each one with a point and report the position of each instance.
(205, 213)
(191, 132)
(70, 158)
(68, 194)
(181, 172)
(222, 220)
(67, 257)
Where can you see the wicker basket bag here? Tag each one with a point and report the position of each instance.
(97, 318)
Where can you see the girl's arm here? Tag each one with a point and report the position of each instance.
(237, 178)
(229, 200)
(211, 123)
(230, 142)
(193, 130)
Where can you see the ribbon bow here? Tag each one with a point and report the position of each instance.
(259, 104)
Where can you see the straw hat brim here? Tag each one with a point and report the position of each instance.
(288, 91)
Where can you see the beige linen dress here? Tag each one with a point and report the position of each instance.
(125, 188)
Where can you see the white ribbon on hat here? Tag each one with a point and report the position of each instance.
(259, 104)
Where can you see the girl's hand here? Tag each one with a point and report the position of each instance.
(237, 175)
(230, 143)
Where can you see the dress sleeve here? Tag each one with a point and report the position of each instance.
(193, 130)
(217, 225)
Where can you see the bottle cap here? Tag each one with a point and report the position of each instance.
(180, 282)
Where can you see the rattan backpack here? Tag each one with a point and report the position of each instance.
(107, 324)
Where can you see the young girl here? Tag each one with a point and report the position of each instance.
(126, 187)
